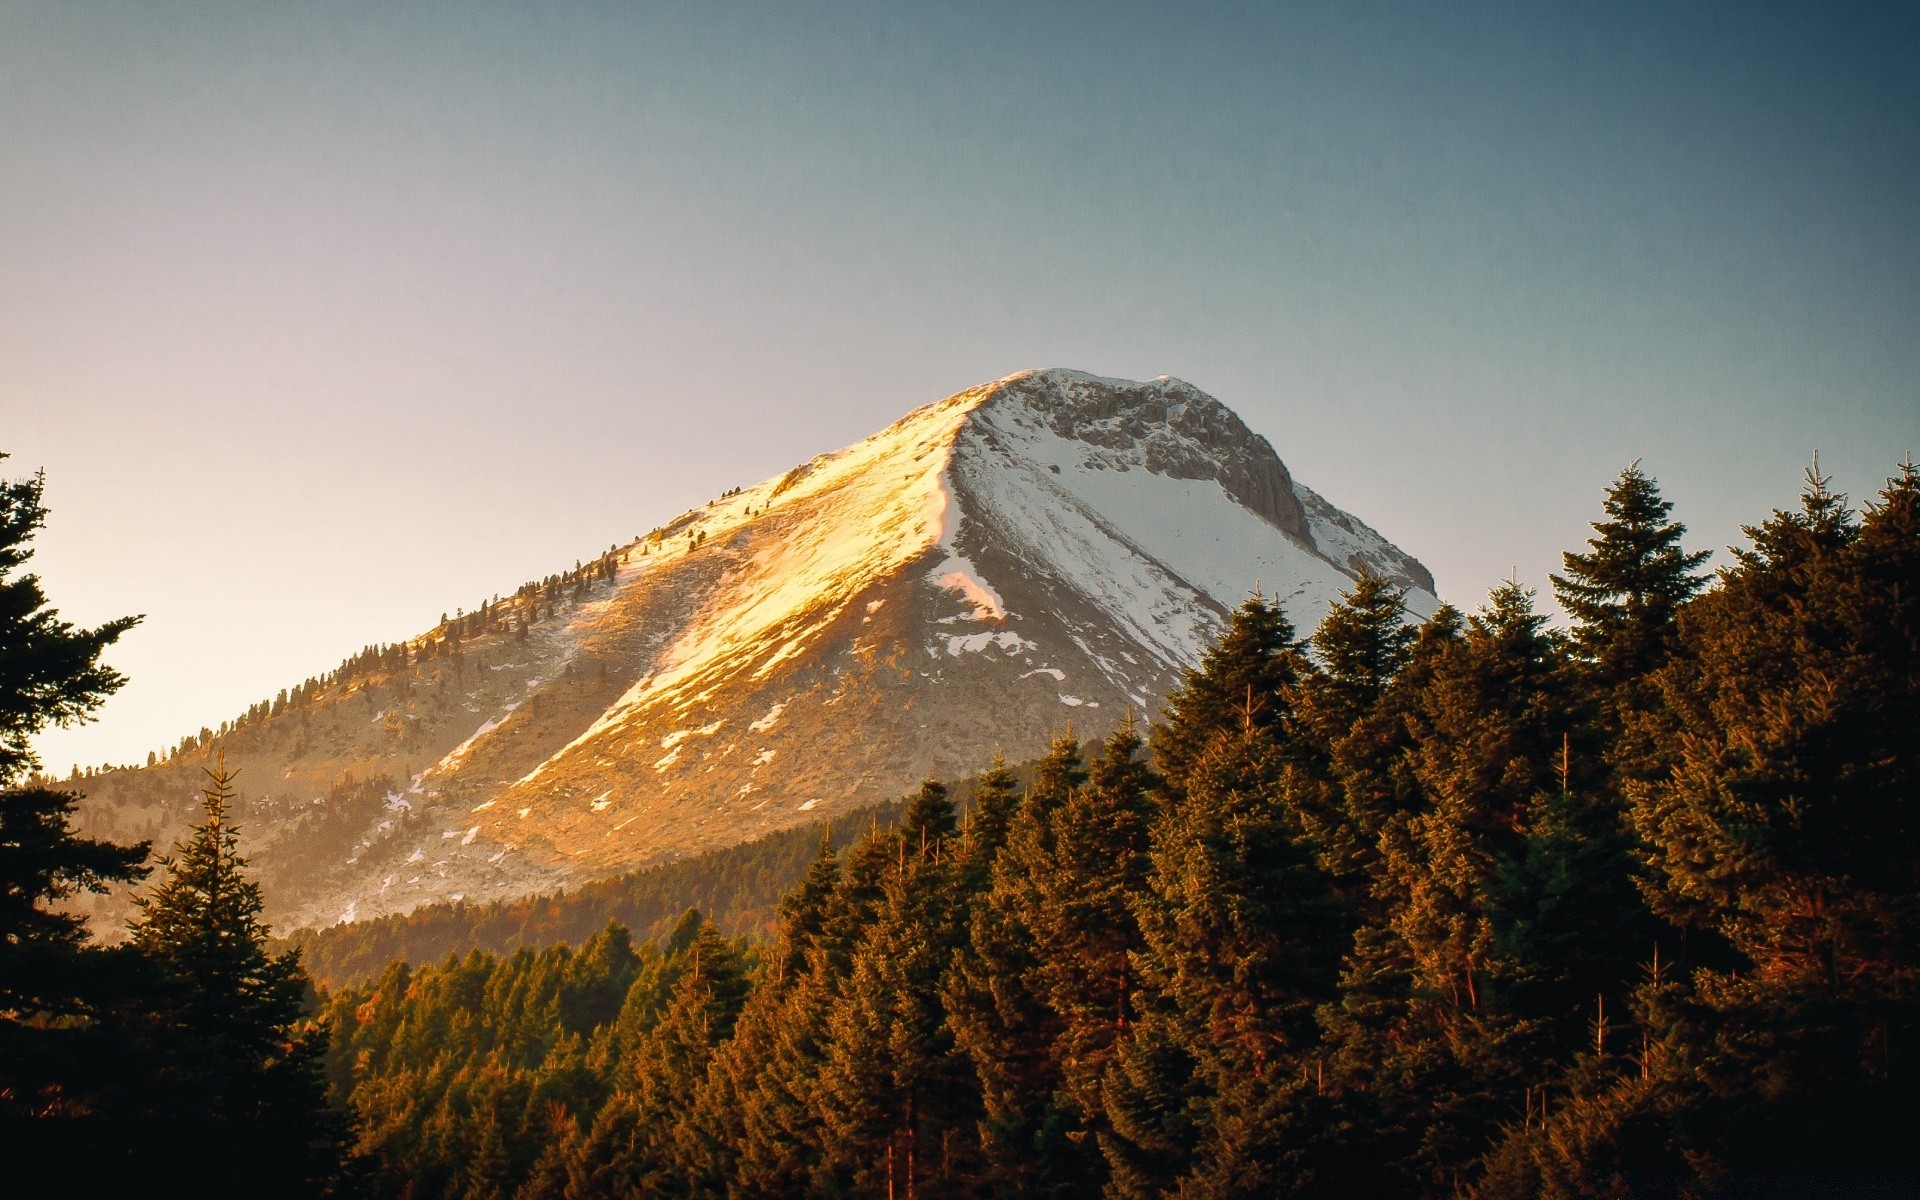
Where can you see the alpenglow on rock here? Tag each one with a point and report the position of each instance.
(1046, 549)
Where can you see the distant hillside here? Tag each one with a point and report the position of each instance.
(738, 888)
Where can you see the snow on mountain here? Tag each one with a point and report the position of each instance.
(1051, 547)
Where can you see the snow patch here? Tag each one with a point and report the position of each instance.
(680, 735)
(773, 714)
(973, 643)
(957, 574)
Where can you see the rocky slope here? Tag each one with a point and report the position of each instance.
(1047, 549)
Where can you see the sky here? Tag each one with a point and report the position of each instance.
(323, 320)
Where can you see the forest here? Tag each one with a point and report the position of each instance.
(1476, 905)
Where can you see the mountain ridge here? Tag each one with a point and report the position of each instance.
(1048, 546)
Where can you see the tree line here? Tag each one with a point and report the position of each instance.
(1468, 906)
(1462, 906)
(182, 1056)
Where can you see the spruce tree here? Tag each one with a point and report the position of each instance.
(893, 1091)
(1425, 1030)
(57, 1050)
(1242, 943)
(642, 1144)
(1253, 668)
(990, 814)
(1033, 1139)
(1625, 592)
(1349, 736)
(241, 1059)
(1784, 831)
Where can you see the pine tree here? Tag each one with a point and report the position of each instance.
(1349, 737)
(57, 1053)
(240, 1055)
(930, 814)
(641, 1144)
(1784, 832)
(995, 801)
(1084, 924)
(1253, 668)
(1424, 1032)
(1625, 593)
(1242, 943)
(1031, 1140)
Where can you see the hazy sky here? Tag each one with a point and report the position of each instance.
(325, 319)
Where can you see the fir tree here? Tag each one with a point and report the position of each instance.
(1625, 592)
(240, 1054)
(1351, 731)
(1242, 943)
(1253, 668)
(1784, 830)
(892, 1090)
(57, 1052)
(641, 1145)
(1424, 1028)
(1032, 1139)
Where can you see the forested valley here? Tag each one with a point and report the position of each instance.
(1471, 906)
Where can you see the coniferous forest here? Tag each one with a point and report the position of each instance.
(1478, 905)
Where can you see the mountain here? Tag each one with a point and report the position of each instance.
(1052, 548)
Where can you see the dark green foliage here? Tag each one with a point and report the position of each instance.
(50, 671)
(59, 1055)
(1625, 593)
(1786, 828)
(226, 1022)
(1245, 676)
(1470, 907)
(1242, 942)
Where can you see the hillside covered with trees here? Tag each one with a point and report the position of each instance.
(1470, 907)
(1467, 906)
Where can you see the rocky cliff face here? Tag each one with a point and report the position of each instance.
(1047, 549)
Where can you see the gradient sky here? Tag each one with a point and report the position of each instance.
(325, 319)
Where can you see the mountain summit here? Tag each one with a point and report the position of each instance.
(1046, 549)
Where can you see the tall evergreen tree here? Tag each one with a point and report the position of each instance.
(241, 1058)
(1242, 935)
(995, 800)
(1252, 669)
(641, 1144)
(893, 1091)
(996, 1010)
(1426, 1027)
(1625, 592)
(1351, 732)
(1785, 829)
(57, 1053)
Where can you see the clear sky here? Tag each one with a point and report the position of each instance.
(325, 319)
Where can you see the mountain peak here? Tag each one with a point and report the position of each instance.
(1049, 545)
